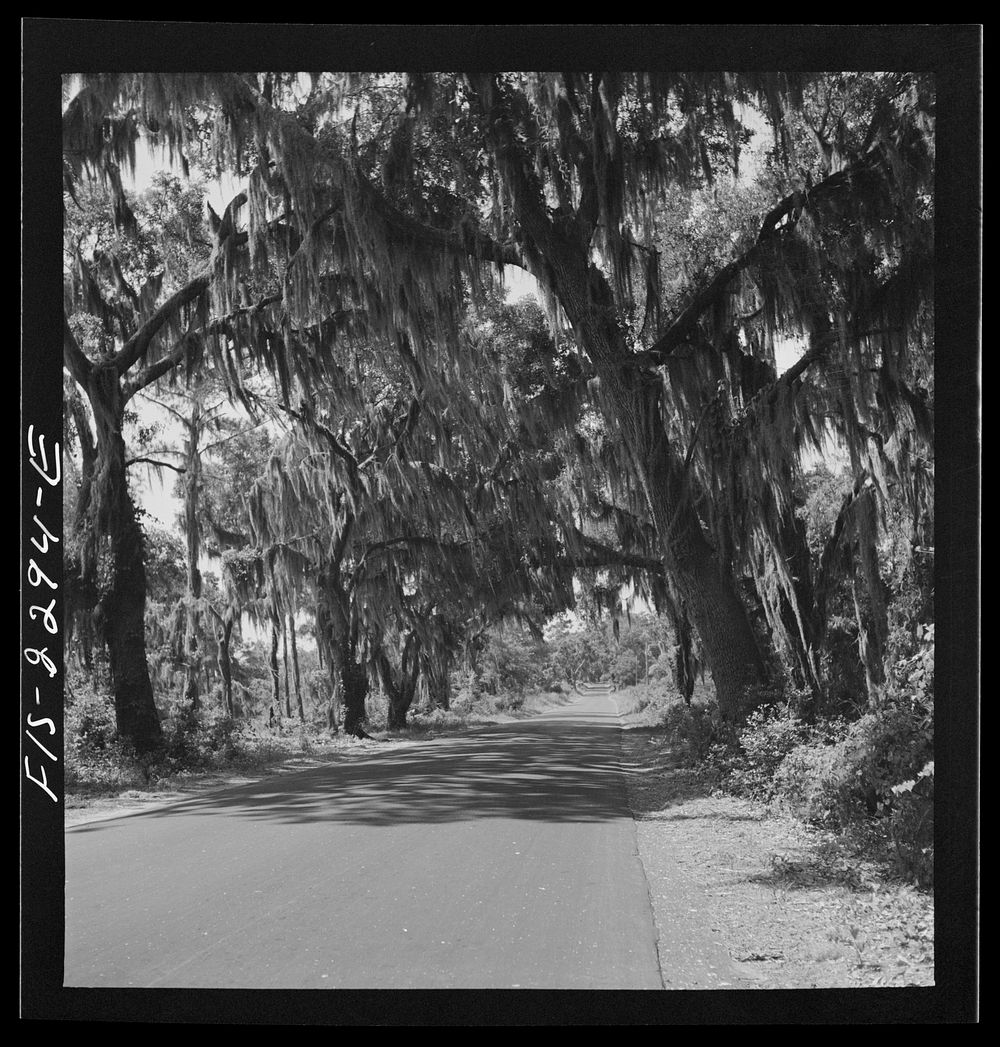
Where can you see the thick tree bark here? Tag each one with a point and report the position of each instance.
(273, 665)
(400, 695)
(284, 657)
(295, 669)
(123, 608)
(192, 483)
(354, 690)
(124, 628)
(226, 665)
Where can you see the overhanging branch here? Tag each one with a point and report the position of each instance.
(76, 362)
(138, 345)
(783, 216)
(157, 463)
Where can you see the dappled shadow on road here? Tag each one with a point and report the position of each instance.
(554, 768)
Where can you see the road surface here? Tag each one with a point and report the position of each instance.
(502, 858)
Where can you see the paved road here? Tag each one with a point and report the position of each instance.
(502, 858)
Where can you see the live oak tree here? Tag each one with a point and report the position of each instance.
(380, 203)
(139, 294)
(121, 309)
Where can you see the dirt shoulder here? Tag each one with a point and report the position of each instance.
(791, 907)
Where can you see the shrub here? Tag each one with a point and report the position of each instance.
(376, 709)
(838, 772)
(90, 721)
(194, 743)
(911, 827)
(465, 690)
(770, 733)
(509, 701)
(423, 719)
(97, 760)
(872, 778)
(698, 728)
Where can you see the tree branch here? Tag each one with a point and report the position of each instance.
(473, 242)
(219, 323)
(157, 463)
(138, 345)
(308, 419)
(697, 431)
(601, 555)
(780, 217)
(75, 359)
(161, 367)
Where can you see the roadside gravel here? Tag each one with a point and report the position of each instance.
(790, 907)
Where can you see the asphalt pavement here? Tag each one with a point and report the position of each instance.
(505, 857)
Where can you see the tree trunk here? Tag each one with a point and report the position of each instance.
(878, 633)
(275, 679)
(400, 695)
(284, 658)
(124, 629)
(397, 714)
(801, 626)
(684, 665)
(333, 710)
(354, 690)
(295, 669)
(192, 483)
(438, 681)
(226, 665)
(123, 608)
(703, 582)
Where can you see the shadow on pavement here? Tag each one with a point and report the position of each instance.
(554, 768)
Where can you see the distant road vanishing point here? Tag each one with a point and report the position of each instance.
(587, 690)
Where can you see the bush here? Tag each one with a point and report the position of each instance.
(911, 827)
(97, 760)
(509, 701)
(465, 690)
(424, 719)
(842, 779)
(750, 760)
(90, 721)
(698, 729)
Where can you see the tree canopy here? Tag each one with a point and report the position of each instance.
(651, 428)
